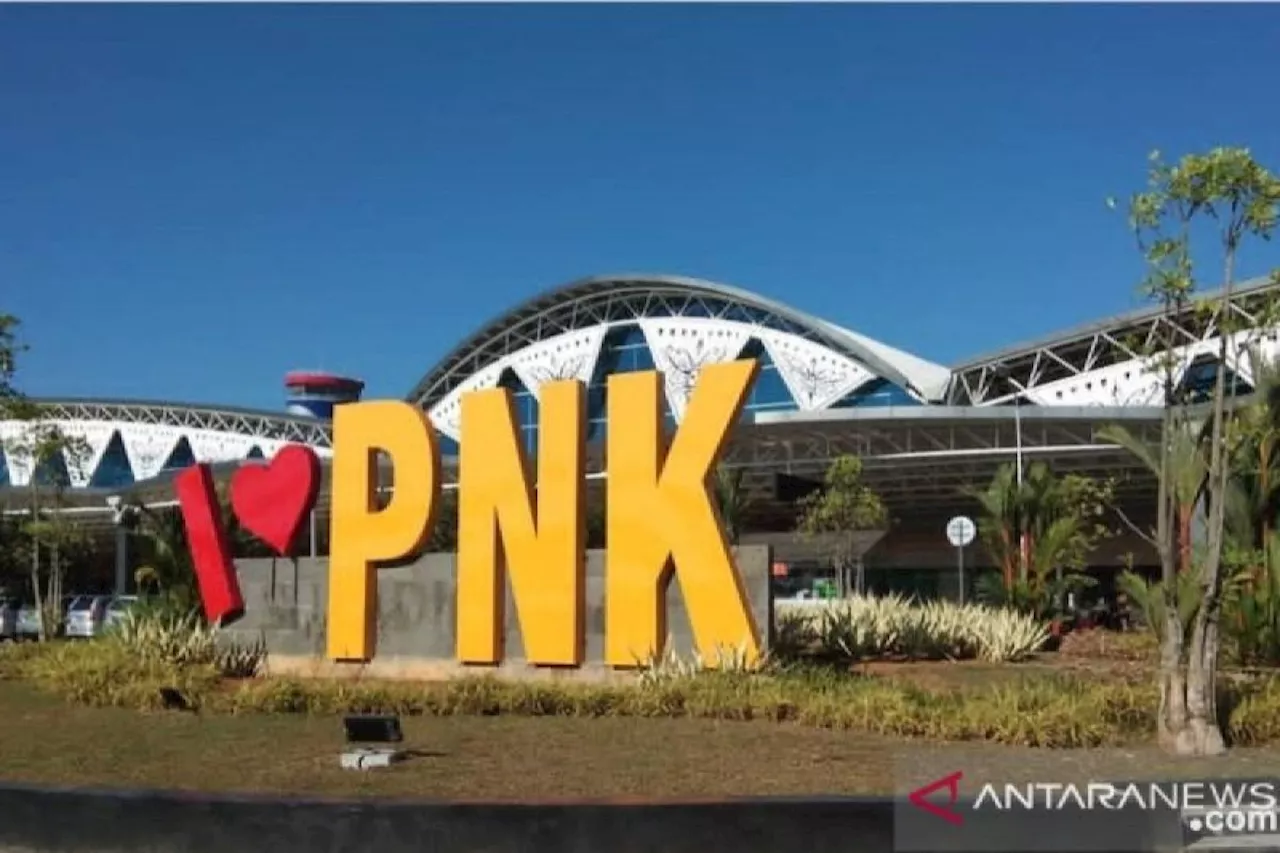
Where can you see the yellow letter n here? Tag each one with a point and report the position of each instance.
(361, 534)
(660, 512)
(501, 535)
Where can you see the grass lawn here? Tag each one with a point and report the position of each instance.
(943, 675)
(43, 740)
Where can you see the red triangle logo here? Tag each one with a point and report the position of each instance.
(947, 812)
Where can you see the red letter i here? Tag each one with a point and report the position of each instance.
(207, 540)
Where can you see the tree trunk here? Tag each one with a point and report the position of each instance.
(41, 628)
(1172, 723)
(1185, 517)
(53, 600)
(1009, 566)
(1204, 734)
(35, 587)
(1024, 556)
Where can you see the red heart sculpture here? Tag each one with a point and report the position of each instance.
(272, 500)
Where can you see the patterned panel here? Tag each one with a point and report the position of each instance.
(148, 447)
(682, 346)
(19, 463)
(1131, 383)
(816, 376)
(571, 355)
(447, 413)
(97, 435)
(210, 446)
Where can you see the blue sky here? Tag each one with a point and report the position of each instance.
(194, 199)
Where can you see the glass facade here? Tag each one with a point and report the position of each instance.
(181, 457)
(877, 392)
(1198, 380)
(52, 472)
(625, 351)
(113, 471)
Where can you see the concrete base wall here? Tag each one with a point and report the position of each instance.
(286, 602)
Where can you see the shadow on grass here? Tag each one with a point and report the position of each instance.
(424, 753)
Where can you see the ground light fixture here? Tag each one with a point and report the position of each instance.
(368, 737)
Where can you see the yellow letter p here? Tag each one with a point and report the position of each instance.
(361, 534)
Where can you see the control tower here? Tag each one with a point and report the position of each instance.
(314, 393)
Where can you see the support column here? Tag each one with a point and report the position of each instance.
(122, 559)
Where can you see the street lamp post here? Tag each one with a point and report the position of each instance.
(119, 518)
(1003, 372)
(1017, 433)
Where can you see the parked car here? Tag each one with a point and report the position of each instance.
(86, 615)
(117, 608)
(28, 622)
(8, 619)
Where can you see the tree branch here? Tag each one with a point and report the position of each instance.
(1146, 537)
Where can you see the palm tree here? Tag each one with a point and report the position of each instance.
(732, 499)
(1016, 516)
(1033, 532)
(1188, 467)
(1188, 472)
(1001, 523)
(1256, 462)
(168, 570)
(1252, 597)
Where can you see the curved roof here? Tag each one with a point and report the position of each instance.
(233, 419)
(1118, 324)
(591, 301)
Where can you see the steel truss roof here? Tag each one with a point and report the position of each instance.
(247, 422)
(618, 299)
(1001, 377)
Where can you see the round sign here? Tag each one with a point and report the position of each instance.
(961, 530)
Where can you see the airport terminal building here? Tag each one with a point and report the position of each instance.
(926, 433)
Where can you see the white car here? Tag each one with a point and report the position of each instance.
(29, 622)
(8, 619)
(117, 608)
(86, 615)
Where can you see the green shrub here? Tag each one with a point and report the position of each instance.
(104, 673)
(179, 637)
(1255, 717)
(13, 657)
(867, 627)
(670, 664)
